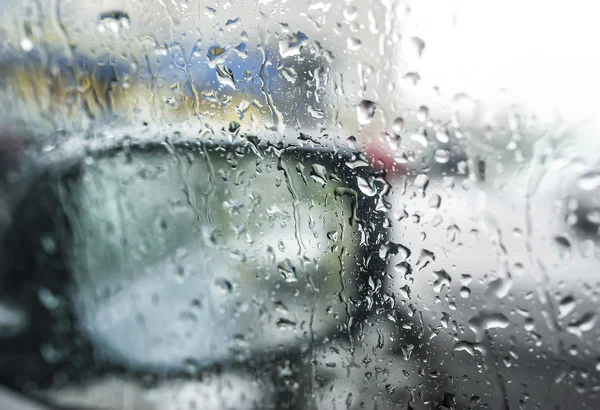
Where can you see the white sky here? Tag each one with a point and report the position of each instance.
(545, 53)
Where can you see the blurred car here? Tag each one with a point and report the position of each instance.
(144, 253)
(494, 262)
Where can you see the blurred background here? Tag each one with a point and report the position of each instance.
(321, 205)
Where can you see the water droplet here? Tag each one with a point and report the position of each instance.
(412, 78)
(365, 110)
(287, 271)
(290, 74)
(584, 324)
(232, 22)
(398, 125)
(589, 181)
(465, 279)
(403, 269)
(26, 44)
(351, 142)
(565, 306)
(394, 141)
(113, 21)
(233, 206)
(415, 46)
(463, 107)
(350, 13)
(187, 317)
(305, 140)
(225, 76)
(13, 321)
(280, 306)
(274, 212)
(500, 286)
(234, 127)
(423, 113)
(593, 217)
(425, 258)
(563, 245)
(365, 187)
(421, 182)
(390, 248)
(216, 55)
(390, 389)
(420, 139)
(442, 279)
(171, 102)
(452, 233)
(283, 323)
(292, 45)
(211, 236)
(48, 244)
(353, 43)
(442, 136)
(319, 173)
(191, 367)
(435, 201)
(315, 113)
(49, 300)
(224, 286)
(464, 346)
(486, 321)
(442, 156)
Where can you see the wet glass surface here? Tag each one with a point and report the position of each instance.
(289, 205)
